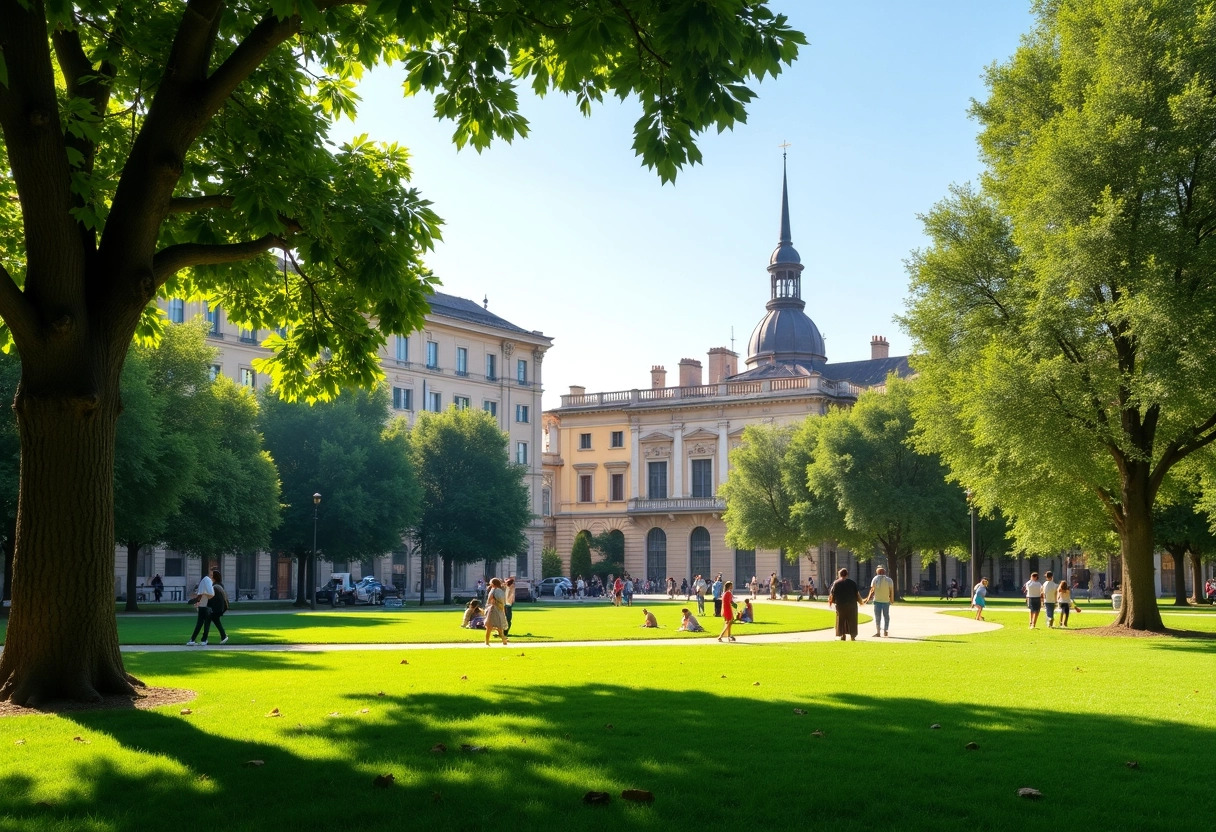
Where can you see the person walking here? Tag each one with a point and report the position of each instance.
(882, 593)
(628, 591)
(496, 614)
(772, 587)
(717, 594)
(202, 595)
(979, 598)
(684, 589)
(618, 592)
(727, 606)
(218, 605)
(510, 602)
(581, 588)
(698, 587)
(671, 589)
(158, 586)
(754, 586)
(845, 596)
(1050, 591)
(1033, 590)
(1064, 602)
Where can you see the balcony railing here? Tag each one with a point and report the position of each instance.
(723, 390)
(676, 504)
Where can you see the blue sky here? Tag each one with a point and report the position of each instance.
(567, 233)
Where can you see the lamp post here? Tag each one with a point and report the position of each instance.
(312, 557)
(974, 570)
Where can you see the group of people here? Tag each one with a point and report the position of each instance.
(1049, 595)
(496, 615)
(211, 601)
(730, 612)
(845, 596)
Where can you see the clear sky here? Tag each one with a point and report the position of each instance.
(565, 232)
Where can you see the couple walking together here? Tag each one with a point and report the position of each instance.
(845, 596)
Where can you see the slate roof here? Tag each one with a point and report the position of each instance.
(862, 373)
(463, 309)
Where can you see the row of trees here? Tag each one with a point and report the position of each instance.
(199, 464)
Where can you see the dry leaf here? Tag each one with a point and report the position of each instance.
(464, 678)
(972, 746)
(473, 749)
(383, 781)
(381, 693)
(405, 661)
(336, 713)
(438, 748)
(935, 726)
(755, 684)
(19, 742)
(638, 795)
(80, 740)
(365, 710)
(799, 712)
(255, 763)
(723, 675)
(597, 798)
(274, 712)
(1132, 764)
(818, 734)
(1030, 794)
(186, 712)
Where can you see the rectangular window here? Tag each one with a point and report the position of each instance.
(434, 402)
(656, 480)
(546, 502)
(703, 478)
(491, 367)
(249, 378)
(403, 398)
(403, 349)
(177, 310)
(175, 565)
(521, 453)
(214, 371)
(521, 564)
(521, 413)
(461, 402)
(147, 563)
(432, 355)
(249, 336)
(618, 439)
(618, 487)
(584, 488)
(490, 407)
(521, 371)
(462, 361)
(584, 441)
(213, 318)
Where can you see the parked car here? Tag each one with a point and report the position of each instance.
(341, 591)
(557, 587)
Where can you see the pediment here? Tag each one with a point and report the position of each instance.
(656, 436)
(700, 433)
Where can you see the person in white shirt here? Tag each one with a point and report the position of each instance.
(1050, 592)
(882, 593)
(203, 594)
(1033, 590)
(582, 587)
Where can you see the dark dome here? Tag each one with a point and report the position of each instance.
(786, 334)
(785, 253)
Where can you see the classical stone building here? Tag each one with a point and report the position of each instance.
(464, 356)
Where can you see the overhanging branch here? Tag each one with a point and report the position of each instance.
(171, 260)
(15, 308)
(193, 204)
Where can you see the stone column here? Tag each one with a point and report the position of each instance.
(677, 461)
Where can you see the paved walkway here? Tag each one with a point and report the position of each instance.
(908, 623)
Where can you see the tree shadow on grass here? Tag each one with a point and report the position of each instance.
(728, 751)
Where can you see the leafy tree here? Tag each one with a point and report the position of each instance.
(127, 132)
(474, 500)
(550, 563)
(1055, 312)
(364, 471)
(1183, 529)
(611, 546)
(889, 498)
(580, 556)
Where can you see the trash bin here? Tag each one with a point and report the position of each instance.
(1116, 601)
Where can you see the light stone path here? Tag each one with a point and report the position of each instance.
(909, 623)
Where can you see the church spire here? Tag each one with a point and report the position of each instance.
(786, 238)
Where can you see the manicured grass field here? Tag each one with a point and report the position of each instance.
(1063, 712)
(431, 625)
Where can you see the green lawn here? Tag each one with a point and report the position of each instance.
(1062, 712)
(431, 625)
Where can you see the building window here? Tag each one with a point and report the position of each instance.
(403, 349)
(656, 555)
(584, 441)
(584, 488)
(656, 480)
(491, 367)
(546, 503)
(521, 564)
(791, 569)
(177, 310)
(618, 439)
(403, 398)
(461, 402)
(521, 413)
(434, 401)
(490, 407)
(249, 378)
(521, 371)
(214, 371)
(745, 565)
(175, 564)
(248, 336)
(462, 361)
(698, 552)
(432, 355)
(213, 318)
(618, 488)
(521, 453)
(703, 478)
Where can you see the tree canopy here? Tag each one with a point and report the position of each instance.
(1056, 313)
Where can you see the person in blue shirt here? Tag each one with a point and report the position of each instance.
(717, 593)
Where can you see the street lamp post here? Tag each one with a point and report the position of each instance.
(312, 557)
(974, 569)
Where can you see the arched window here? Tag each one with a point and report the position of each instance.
(656, 554)
(698, 553)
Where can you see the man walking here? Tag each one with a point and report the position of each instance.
(717, 591)
(1033, 590)
(882, 593)
(1051, 591)
(698, 587)
(772, 586)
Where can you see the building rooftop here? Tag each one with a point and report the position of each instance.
(463, 309)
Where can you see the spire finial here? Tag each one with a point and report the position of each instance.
(785, 200)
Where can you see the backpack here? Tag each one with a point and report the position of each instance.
(219, 601)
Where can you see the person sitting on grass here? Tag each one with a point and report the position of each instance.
(474, 618)
(689, 623)
(649, 621)
(748, 614)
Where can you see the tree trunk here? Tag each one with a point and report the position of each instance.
(302, 578)
(941, 574)
(1140, 610)
(421, 579)
(132, 565)
(1179, 578)
(1196, 579)
(447, 580)
(62, 638)
(6, 592)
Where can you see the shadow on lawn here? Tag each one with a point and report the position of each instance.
(701, 753)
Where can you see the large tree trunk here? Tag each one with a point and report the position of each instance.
(1196, 579)
(132, 565)
(1140, 610)
(302, 579)
(62, 638)
(421, 579)
(447, 580)
(1180, 579)
(941, 573)
(6, 592)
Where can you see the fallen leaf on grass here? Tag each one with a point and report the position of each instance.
(972, 746)
(799, 712)
(274, 712)
(80, 740)
(597, 798)
(336, 713)
(383, 781)
(1132, 764)
(364, 711)
(19, 742)
(438, 748)
(935, 726)
(464, 678)
(186, 712)
(473, 749)
(638, 795)
(405, 661)
(255, 763)
(755, 684)
(1030, 794)
(819, 734)
(381, 693)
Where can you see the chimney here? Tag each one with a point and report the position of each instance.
(722, 364)
(879, 348)
(658, 377)
(577, 390)
(690, 372)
